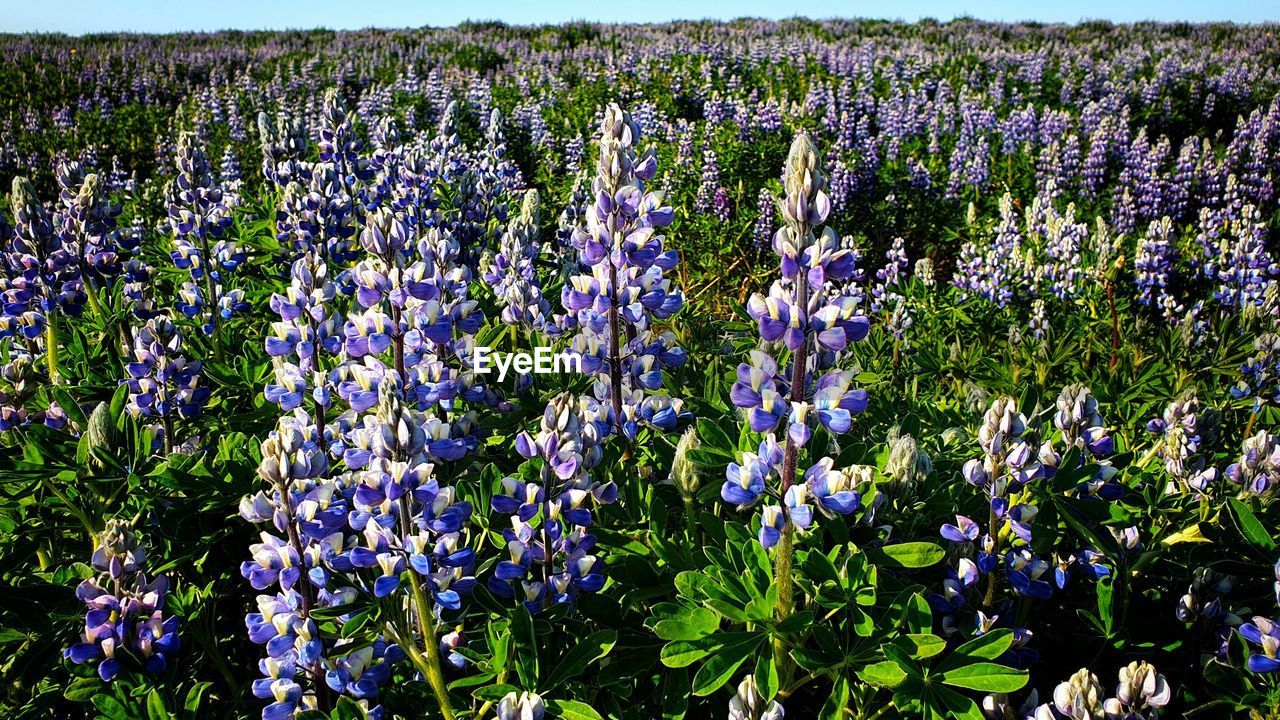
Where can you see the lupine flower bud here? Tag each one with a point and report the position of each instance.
(1080, 697)
(118, 551)
(908, 463)
(749, 704)
(684, 473)
(100, 432)
(1140, 688)
(525, 706)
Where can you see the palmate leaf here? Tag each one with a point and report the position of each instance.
(722, 665)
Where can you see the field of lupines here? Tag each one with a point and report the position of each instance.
(927, 371)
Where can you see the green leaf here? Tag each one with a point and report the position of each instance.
(494, 692)
(985, 677)
(572, 710)
(82, 689)
(195, 696)
(590, 649)
(766, 675)
(348, 709)
(834, 707)
(110, 707)
(917, 615)
(922, 645)
(987, 646)
(723, 664)
(691, 624)
(959, 707)
(885, 673)
(155, 706)
(526, 646)
(908, 555)
(797, 622)
(1252, 529)
(713, 436)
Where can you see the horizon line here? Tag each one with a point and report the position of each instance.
(584, 21)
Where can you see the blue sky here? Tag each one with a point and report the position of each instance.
(82, 16)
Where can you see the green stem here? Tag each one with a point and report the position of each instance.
(211, 297)
(51, 347)
(786, 598)
(1248, 428)
(431, 668)
(95, 303)
(882, 711)
(790, 458)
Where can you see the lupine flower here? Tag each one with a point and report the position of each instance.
(1258, 469)
(512, 275)
(1178, 438)
(1260, 373)
(749, 704)
(627, 290)
(125, 610)
(524, 706)
(805, 314)
(1001, 556)
(199, 216)
(1265, 633)
(1080, 697)
(548, 542)
(162, 383)
(1140, 694)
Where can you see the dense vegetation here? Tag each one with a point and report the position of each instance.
(927, 370)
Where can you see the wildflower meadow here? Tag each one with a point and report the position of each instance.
(835, 370)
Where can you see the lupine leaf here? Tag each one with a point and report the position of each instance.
(588, 650)
(572, 710)
(1252, 529)
(526, 646)
(721, 666)
(985, 677)
(908, 555)
(886, 673)
(987, 646)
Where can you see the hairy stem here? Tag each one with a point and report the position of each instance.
(790, 459)
(51, 346)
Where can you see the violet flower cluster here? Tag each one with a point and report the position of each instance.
(1177, 434)
(549, 545)
(625, 291)
(512, 274)
(804, 315)
(162, 383)
(988, 558)
(200, 217)
(125, 621)
(1260, 373)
